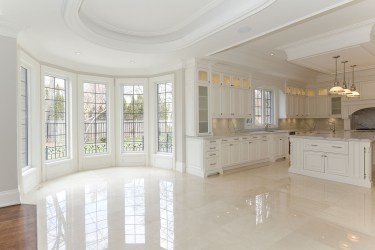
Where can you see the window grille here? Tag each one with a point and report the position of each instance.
(133, 119)
(55, 90)
(24, 117)
(95, 118)
(165, 120)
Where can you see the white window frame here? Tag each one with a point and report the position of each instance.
(28, 100)
(250, 123)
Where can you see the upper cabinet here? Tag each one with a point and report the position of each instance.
(213, 93)
(203, 76)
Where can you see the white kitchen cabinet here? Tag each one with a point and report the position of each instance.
(280, 146)
(313, 161)
(230, 151)
(335, 110)
(203, 76)
(322, 103)
(264, 148)
(203, 110)
(225, 101)
(345, 160)
(202, 156)
(244, 150)
(235, 101)
(245, 103)
(216, 102)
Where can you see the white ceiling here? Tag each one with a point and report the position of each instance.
(123, 37)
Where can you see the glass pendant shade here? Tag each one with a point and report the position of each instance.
(353, 93)
(336, 89)
(346, 90)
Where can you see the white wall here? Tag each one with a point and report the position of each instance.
(9, 193)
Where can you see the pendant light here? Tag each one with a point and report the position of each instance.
(346, 91)
(353, 93)
(336, 89)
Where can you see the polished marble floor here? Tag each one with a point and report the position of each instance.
(148, 208)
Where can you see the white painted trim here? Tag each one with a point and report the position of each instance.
(180, 167)
(9, 198)
(331, 41)
(209, 20)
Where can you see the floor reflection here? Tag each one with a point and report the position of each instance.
(166, 215)
(135, 212)
(96, 216)
(56, 220)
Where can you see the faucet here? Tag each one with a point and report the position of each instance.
(267, 126)
(333, 127)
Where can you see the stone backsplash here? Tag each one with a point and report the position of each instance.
(319, 124)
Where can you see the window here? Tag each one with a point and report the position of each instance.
(165, 121)
(55, 90)
(95, 118)
(133, 119)
(24, 118)
(263, 107)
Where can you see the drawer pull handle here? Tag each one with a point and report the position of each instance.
(244, 138)
(212, 154)
(212, 164)
(313, 145)
(230, 144)
(213, 141)
(213, 148)
(225, 140)
(250, 142)
(336, 147)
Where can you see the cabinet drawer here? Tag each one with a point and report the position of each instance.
(212, 163)
(211, 142)
(212, 154)
(210, 148)
(339, 147)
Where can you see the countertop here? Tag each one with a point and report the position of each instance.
(239, 134)
(340, 135)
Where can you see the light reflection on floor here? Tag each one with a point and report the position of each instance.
(148, 208)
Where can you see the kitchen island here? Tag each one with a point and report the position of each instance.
(342, 156)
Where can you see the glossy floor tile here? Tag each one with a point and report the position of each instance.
(148, 208)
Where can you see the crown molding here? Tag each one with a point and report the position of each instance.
(193, 30)
(352, 36)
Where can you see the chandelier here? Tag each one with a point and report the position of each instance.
(344, 90)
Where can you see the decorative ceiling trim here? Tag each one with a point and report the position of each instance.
(196, 28)
(352, 36)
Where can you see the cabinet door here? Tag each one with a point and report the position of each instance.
(244, 151)
(245, 103)
(235, 101)
(203, 112)
(264, 149)
(203, 76)
(225, 101)
(225, 154)
(289, 105)
(336, 164)
(311, 106)
(253, 151)
(301, 106)
(313, 161)
(234, 153)
(215, 101)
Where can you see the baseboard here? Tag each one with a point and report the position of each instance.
(180, 167)
(9, 198)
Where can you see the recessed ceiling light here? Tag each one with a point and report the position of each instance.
(244, 29)
(131, 61)
(272, 54)
(78, 53)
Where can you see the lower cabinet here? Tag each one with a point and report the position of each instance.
(205, 156)
(348, 161)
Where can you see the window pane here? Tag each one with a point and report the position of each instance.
(165, 119)
(24, 118)
(263, 107)
(133, 123)
(56, 120)
(95, 118)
